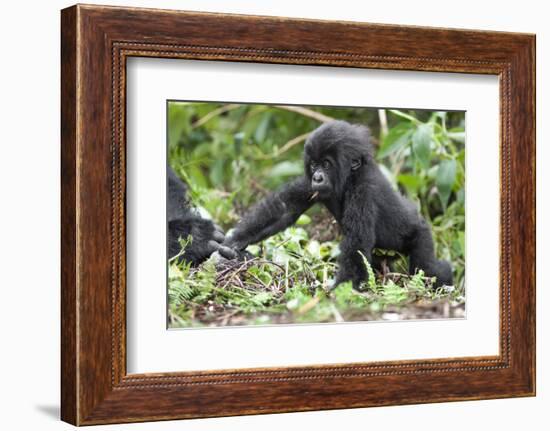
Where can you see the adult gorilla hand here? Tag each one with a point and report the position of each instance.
(217, 244)
(184, 223)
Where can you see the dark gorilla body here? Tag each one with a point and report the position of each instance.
(341, 173)
(184, 221)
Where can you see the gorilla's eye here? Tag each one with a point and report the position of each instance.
(312, 167)
(355, 164)
(326, 164)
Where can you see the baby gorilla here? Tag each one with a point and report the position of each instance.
(341, 173)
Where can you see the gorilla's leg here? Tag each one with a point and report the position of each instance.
(422, 256)
(356, 246)
(357, 226)
(350, 264)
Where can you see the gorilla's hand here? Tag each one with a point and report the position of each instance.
(233, 250)
(206, 238)
(217, 244)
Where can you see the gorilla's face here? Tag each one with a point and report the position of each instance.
(332, 153)
(322, 175)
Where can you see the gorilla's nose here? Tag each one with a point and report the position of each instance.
(318, 178)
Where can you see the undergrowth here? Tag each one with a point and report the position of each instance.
(287, 281)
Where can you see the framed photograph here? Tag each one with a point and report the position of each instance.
(319, 214)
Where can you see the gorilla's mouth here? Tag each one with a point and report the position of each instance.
(321, 191)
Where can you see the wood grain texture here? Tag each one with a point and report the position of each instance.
(69, 397)
(96, 41)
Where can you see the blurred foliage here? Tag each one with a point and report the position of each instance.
(232, 155)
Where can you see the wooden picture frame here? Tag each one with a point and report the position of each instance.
(95, 43)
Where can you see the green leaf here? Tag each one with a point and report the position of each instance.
(304, 219)
(457, 136)
(394, 294)
(280, 256)
(216, 172)
(397, 138)
(253, 249)
(238, 139)
(196, 177)
(286, 169)
(403, 115)
(261, 298)
(177, 119)
(461, 240)
(446, 175)
(421, 143)
(460, 196)
(371, 279)
(411, 182)
(313, 247)
(261, 130)
(416, 283)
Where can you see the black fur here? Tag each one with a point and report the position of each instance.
(341, 173)
(184, 221)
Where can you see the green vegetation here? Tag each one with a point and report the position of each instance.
(232, 155)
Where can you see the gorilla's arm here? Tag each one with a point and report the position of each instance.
(359, 236)
(273, 214)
